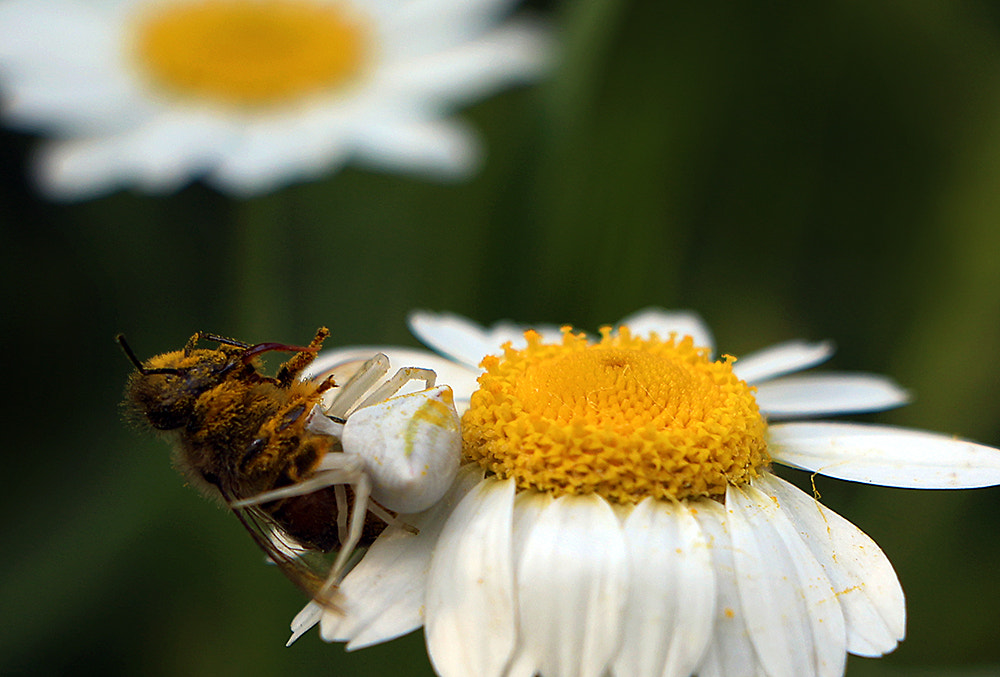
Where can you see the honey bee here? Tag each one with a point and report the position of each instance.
(304, 472)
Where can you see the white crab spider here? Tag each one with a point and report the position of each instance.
(400, 452)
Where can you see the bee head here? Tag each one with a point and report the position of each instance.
(165, 388)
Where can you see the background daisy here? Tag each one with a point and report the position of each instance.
(252, 94)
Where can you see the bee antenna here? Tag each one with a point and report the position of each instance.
(222, 339)
(120, 338)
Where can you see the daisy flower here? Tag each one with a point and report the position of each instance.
(252, 94)
(617, 514)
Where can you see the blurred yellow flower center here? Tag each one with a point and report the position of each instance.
(625, 417)
(249, 52)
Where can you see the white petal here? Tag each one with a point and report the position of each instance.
(467, 342)
(383, 596)
(310, 615)
(792, 612)
(866, 585)
(730, 652)
(442, 149)
(825, 394)
(418, 27)
(61, 68)
(895, 457)
(343, 362)
(571, 587)
(665, 322)
(671, 601)
(783, 358)
(470, 627)
(455, 336)
(516, 51)
(159, 155)
(528, 508)
(271, 153)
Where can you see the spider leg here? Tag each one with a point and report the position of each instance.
(393, 385)
(351, 392)
(347, 474)
(362, 493)
(340, 492)
(390, 519)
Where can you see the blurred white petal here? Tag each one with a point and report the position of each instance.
(444, 148)
(520, 50)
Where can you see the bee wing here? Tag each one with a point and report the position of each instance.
(306, 568)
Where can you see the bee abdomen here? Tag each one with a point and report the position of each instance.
(312, 520)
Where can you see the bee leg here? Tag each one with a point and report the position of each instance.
(192, 342)
(393, 385)
(327, 383)
(291, 369)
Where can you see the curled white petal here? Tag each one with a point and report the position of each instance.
(411, 445)
(828, 393)
(793, 615)
(890, 456)
(866, 585)
(470, 628)
(783, 358)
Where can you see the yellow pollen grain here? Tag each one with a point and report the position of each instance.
(625, 417)
(249, 52)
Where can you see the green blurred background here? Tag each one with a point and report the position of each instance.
(826, 171)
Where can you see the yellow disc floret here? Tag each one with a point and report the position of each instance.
(249, 52)
(625, 417)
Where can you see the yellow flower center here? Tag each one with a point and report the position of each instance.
(249, 52)
(625, 417)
